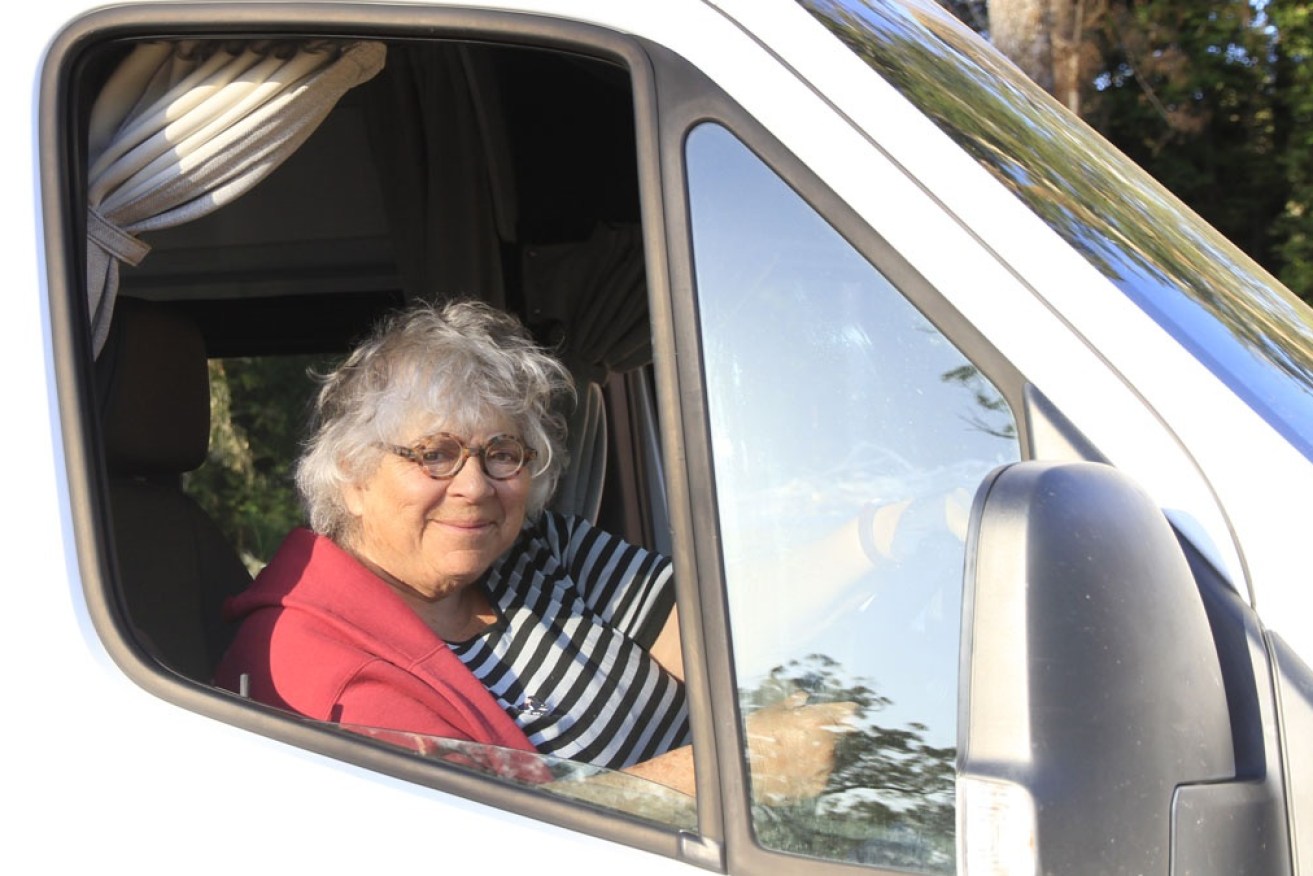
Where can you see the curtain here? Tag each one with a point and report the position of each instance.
(437, 132)
(440, 136)
(182, 128)
(596, 290)
(591, 297)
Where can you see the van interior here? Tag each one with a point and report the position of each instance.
(458, 170)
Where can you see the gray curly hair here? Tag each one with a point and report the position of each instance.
(455, 367)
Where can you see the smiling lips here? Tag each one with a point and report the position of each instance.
(465, 525)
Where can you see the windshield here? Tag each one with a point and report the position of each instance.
(1242, 324)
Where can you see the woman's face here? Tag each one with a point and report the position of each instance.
(436, 536)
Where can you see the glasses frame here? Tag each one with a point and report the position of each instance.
(415, 453)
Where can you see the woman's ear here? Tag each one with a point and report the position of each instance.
(353, 493)
(353, 499)
(357, 477)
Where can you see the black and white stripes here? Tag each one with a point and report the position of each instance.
(568, 658)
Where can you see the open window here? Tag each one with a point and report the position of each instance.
(487, 157)
(454, 169)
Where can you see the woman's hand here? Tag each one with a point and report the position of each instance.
(791, 747)
(790, 751)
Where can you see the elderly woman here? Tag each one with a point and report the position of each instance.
(435, 594)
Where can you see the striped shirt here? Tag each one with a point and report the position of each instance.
(568, 657)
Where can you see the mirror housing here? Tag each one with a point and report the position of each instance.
(1091, 685)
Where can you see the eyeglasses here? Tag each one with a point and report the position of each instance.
(443, 456)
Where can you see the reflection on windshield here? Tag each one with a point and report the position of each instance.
(890, 797)
(611, 789)
(1250, 331)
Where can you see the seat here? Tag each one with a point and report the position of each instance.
(175, 567)
(579, 492)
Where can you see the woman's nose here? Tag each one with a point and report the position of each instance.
(471, 481)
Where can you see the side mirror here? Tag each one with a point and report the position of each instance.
(1092, 689)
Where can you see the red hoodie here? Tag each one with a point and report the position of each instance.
(324, 637)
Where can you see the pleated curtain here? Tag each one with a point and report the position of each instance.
(183, 127)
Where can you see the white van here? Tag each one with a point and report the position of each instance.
(802, 256)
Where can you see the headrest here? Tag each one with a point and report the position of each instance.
(154, 391)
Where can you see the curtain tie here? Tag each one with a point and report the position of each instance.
(114, 240)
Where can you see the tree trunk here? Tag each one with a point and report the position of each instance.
(1047, 39)
(1067, 21)
(1021, 30)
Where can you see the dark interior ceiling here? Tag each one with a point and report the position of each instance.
(304, 262)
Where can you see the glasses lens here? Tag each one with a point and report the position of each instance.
(503, 457)
(442, 456)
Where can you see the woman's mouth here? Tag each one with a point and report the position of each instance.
(465, 525)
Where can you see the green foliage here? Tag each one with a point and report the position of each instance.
(1293, 50)
(1187, 90)
(1214, 98)
(258, 411)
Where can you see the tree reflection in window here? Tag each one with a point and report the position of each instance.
(889, 800)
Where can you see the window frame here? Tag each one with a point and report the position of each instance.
(63, 186)
(687, 98)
